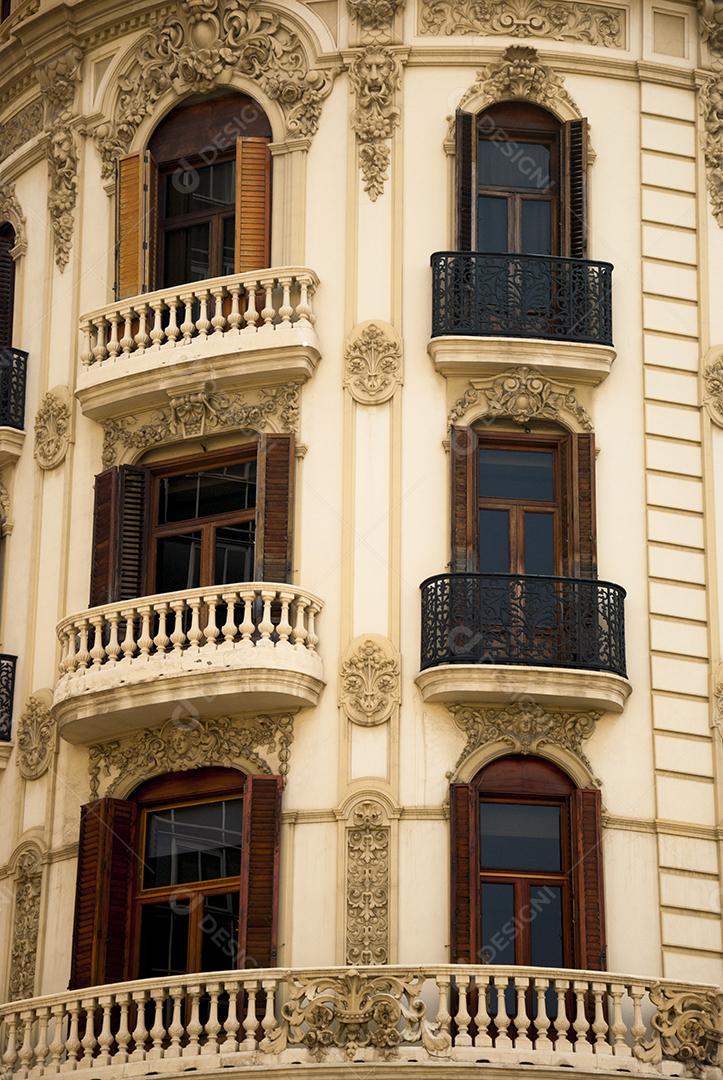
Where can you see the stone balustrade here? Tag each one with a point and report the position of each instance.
(263, 303)
(260, 638)
(590, 1021)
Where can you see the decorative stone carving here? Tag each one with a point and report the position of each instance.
(190, 743)
(52, 429)
(194, 46)
(370, 680)
(37, 736)
(592, 24)
(198, 413)
(711, 100)
(375, 74)
(373, 362)
(11, 212)
(374, 16)
(710, 21)
(6, 519)
(59, 79)
(368, 871)
(713, 384)
(522, 394)
(351, 1010)
(26, 923)
(21, 128)
(525, 726)
(688, 1028)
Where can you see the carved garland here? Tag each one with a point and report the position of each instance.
(369, 680)
(37, 737)
(688, 1028)
(373, 363)
(525, 726)
(191, 743)
(713, 385)
(191, 49)
(522, 394)
(59, 79)
(20, 128)
(592, 24)
(11, 212)
(368, 873)
(375, 74)
(26, 924)
(375, 17)
(52, 429)
(710, 19)
(190, 415)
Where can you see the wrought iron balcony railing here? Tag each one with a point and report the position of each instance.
(7, 693)
(521, 619)
(476, 294)
(13, 364)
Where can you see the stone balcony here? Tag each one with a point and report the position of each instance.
(238, 330)
(244, 648)
(328, 1020)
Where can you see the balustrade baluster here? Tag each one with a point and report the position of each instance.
(25, 1054)
(286, 310)
(123, 1034)
(140, 1032)
(618, 1028)
(178, 636)
(114, 342)
(229, 627)
(127, 341)
(10, 1054)
(105, 1036)
(172, 329)
(142, 339)
(157, 334)
(97, 653)
(203, 323)
(303, 308)
(562, 1023)
(482, 1016)
(542, 1020)
(462, 1019)
(269, 1021)
(87, 356)
(188, 325)
(300, 635)
(219, 319)
(250, 1024)
(312, 639)
(57, 1043)
(502, 1019)
(234, 317)
(175, 1028)
(522, 1021)
(268, 312)
(158, 1029)
(266, 627)
(211, 631)
(599, 1026)
(128, 645)
(161, 640)
(83, 656)
(194, 1026)
(251, 314)
(72, 1043)
(70, 655)
(100, 351)
(145, 641)
(444, 1017)
(638, 1029)
(113, 647)
(581, 1024)
(284, 628)
(213, 1026)
(195, 634)
(40, 1051)
(89, 1041)
(232, 1023)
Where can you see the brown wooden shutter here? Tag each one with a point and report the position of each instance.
(463, 903)
(258, 906)
(574, 188)
(588, 879)
(129, 230)
(150, 222)
(464, 144)
(275, 508)
(7, 285)
(119, 535)
(584, 486)
(253, 204)
(463, 447)
(106, 863)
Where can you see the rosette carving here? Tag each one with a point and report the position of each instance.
(370, 680)
(522, 394)
(375, 74)
(373, 363)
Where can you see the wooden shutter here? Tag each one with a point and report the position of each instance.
(7, 285)
(258, 906)
(463, 903)
(119, 534)
(464, 143)
(253, 204)
(577, 478)
(136, 224)
(275, 508)
(463, 447)
(574, 189)
(150, 223)
(106, 863)
(588, 879)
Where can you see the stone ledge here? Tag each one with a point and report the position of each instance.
(474, 357)
(11, 445)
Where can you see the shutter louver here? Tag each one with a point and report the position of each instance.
(7, 285)
(258, 907)
(129, 226)
(463, 899)
(584, 457)
(253, 204)
(574, 224)
(274, 530)
(106, 862)
(464, 123)
(463, 446)
(590, 898)
(119, 527)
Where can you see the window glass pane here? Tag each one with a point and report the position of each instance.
(186, 255)
(494, 542)
(178, 562)
(536, 227)
(235, 553)
(208, 187)
(228, 260)
(222, 490)
(164, 939)
(219, 930)
(509, 164)
(193, 843)
(491, 224)
(545, 919)
(516, 474)
(515, 836)
(498, 923)
(539, 543)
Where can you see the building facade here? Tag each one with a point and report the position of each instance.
(361, 493)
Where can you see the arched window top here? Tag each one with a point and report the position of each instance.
(508, 118)
(207, 126)
(522, 775)
(211, 782)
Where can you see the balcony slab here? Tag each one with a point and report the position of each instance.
(563, 688)
(477, 357)
(11, 445)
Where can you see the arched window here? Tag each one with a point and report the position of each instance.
(7, 284)
(197, 203)
(521, 181)
(165, 878)
(526, 868)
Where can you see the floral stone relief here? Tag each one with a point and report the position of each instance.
(26, 923)
(52, 428)
(375, 74)
(373, 362)
(591, 24)
(368, 871)
(37, 736)
(522, 394)
(710, 21)
(370, 680)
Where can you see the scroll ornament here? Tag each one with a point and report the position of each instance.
(522, 394)
(592, 24)
(369, 681)
(687, 1027)
(520, 74)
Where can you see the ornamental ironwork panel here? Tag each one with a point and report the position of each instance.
(521, 619)
(7, 692)
(13, 364)
(526, 296)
